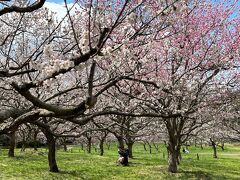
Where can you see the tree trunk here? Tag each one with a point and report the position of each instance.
(156, 147)
(130, 147)
(51, 152)
(214, 148)
(222, 146)
(64, 145)
(120, 141)
(214, 152)
(172, 161)
(35, 140)
(89, 144)
(150, 148)
(179, 155)
(23, 146)
(11, 144)
(108, 145)
(201, 144)
(101, 147)
(144, 146)
(174, 156)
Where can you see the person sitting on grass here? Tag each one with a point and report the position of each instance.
(123, 156)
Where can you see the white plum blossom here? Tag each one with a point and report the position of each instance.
(48, 50)
(131, 18)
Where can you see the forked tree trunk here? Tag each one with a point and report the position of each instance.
(51, 152)
(214, 146)
(11, 144)
(150, 147)
(156, 146)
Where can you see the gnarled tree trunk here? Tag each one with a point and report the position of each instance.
(174, 127)
(51, 152)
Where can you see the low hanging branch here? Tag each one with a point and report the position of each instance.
(36, 5)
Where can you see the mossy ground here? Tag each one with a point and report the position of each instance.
(77, 164)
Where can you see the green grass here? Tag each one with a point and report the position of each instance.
(80, 165)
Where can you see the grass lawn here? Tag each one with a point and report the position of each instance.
(80, 165)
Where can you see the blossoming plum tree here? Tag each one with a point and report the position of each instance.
(186, 63)
(167, 56)
(59, 67)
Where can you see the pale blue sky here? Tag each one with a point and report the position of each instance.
(216, 1)
(60, 1)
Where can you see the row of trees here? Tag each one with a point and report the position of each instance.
(132, 68)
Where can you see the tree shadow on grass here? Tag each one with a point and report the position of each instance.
(199, 175)
(74, 173)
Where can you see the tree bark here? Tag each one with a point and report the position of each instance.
(156, 147)
(172, 162)
(174, 127)
(144, 146)
(222, 146)
(214, 152)
(35, 140)
(51, 152)
(150, 147)
(120, 141)
(179, 155)
(108, 145)
(23, 146)
(89, 144)
(64, 145)
(130, 147)
(214, 148)
(11, 144)
(172, 158)
(101, 147)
